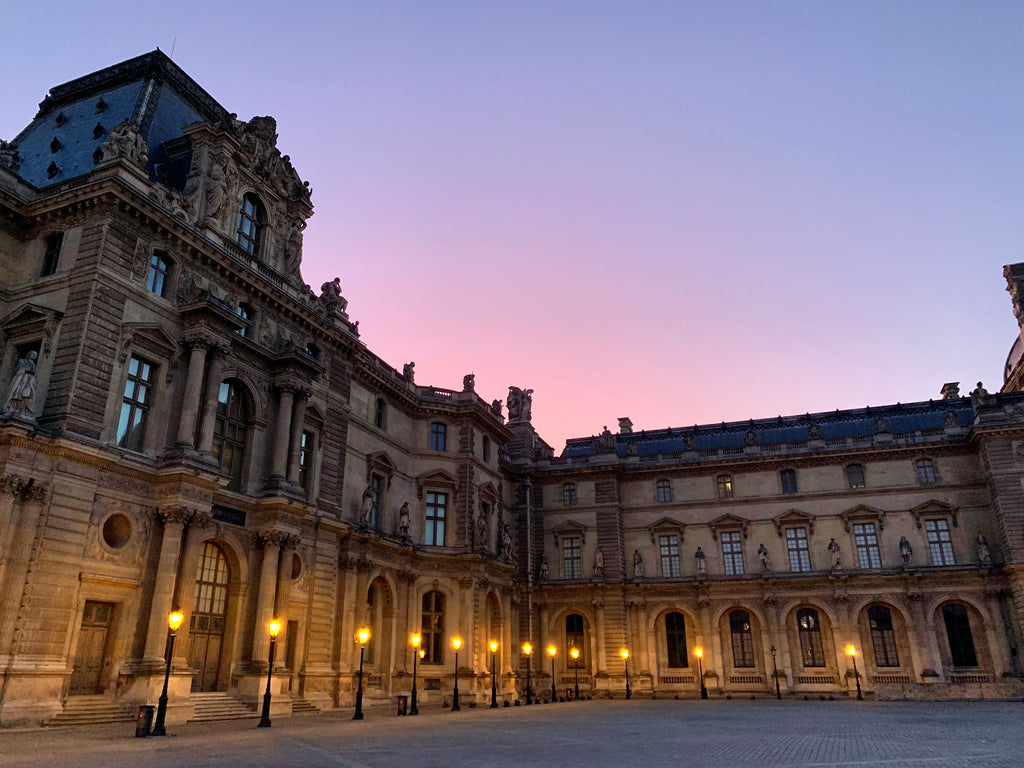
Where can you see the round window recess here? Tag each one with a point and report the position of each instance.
(117, 530)
(296, 566)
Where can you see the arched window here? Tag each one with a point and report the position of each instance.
(250, 224)
(675, 638)
(742, 639)
(883, 639)
(574, 638)
(158, 279)
(209, 609)
(961, 639)
(230, 432)
(432, 628)
(809, 628)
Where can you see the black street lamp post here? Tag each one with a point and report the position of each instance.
(625, 660)
(700, 671)
(173, 622)
(575, 653)
(554, 693)
(775, 672)
(527, 650)
(456, 644)
(494, 683)
(274, 627)
(416, 653)
(362, 637)
(853, 657)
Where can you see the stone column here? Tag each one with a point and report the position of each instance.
(214, 373)
(174, 519)
(23, 503)
(193, 391)
(295, 440)
(279, 468)
(600, 663)
(185, 587)
(271, 541)
(409, 620)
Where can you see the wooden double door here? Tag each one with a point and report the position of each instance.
(209, 614)
(91, 652)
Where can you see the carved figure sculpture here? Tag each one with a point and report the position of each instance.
(605, 442)
(598, 563)
(906, 551)
(638, 564)
(766, 563)
(979, 397)
(468, 382)
(984, 554)
(545, 569)
(409, 372)
(833, 548)
(126, 141)
(482, 543)
(701, 561)
(330, 296)
(216, 188)
(293, 248)
(9, 157)
(506, 543)
(520, 404)
(369, 499)
(22, 390)
(403, 520)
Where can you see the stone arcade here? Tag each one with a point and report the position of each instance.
(187, 425)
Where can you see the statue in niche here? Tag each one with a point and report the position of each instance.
(701, 561)
(984, 554)
(366, 509)
(293, 248)
(409, 372)
(833, 550)
(520, 404)
(906, 551)
(481, 532)
(545, 569)
(814, 432)
(750, 438)
(126, 141)
(506, 544)
(190, 195)
(690, 443)
(638, 564)
(468, 382)
(762, 553)
(22, 390)
(880, 425)
(403, 520)
(598, 563)
(216, 188)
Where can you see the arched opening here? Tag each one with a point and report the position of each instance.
(379, 617)
(209, 616)
(432, 628)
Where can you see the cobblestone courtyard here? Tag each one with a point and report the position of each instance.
(599, 734)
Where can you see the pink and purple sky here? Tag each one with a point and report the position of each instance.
(677, 212)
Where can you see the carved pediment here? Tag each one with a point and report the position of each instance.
(489, 492)
(149, 337)
(666, 525)
(31, 321)
(793, 517)
(935, 508)
(568, 528)
(381, 464)
(728, 522)
(436, 479)
(863, 513)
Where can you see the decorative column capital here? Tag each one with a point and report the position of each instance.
(175, 514)
(20, 488)
(408, 576)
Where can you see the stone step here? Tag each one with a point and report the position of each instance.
(93, 710)
(303, 707)
(213, 707)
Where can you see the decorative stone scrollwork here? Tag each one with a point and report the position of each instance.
(346, 562)
(175, 514)
(364, 565)
(408, 576)
(26, 490)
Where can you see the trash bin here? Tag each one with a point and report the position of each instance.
(403, 705)
(144, 722)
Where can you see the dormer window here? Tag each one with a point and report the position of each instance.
(55, 146)
(61, 119)
(99, 131)
(250, 224)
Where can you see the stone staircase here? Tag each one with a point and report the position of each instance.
(93, 710)
(212, 707)
(303, 707)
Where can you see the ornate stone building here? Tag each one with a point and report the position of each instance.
(187, 425)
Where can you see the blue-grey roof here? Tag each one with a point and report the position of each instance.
(856, 423)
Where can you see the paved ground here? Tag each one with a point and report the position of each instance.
(599, 734)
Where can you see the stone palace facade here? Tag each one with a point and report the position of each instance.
(186, 425)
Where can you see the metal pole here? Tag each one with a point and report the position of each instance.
(554, 693)
(576, 688)
(856, 674)
(700, 668)
(359, 691)
(629, 691)
(529, 693)
(161, 712)
(265, 717)
(455, 695)
(414, 710)
(494, 685)
(775, 671)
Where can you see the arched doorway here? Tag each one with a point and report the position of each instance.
(209, 611)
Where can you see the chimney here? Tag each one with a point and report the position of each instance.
(950, 390)
(625, 426)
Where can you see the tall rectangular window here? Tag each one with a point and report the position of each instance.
(377, 483)
(571, 562)
(675, 639)
(799, 553)
(486, 448)
(724, 486)
(732, 553)
(669, 546)
(788, 478)
(883, 638)
(940, 544)
(925, 471)
(868, 555)
(52, 254)
(131, 425)
(433, 530)
(378, 413)
(438, 436)
(569, 494)
(306, 448)
(855, 475)
(159, 273)
(664, 491)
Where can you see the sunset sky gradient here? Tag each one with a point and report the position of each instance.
(677, 212)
